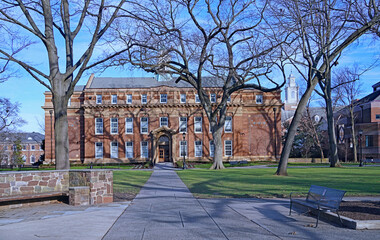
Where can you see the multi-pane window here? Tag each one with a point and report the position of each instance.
(98, 125)
(128, 125)
(212, 148)
(183, 124)
(228, 124)
(144, 149)
(183, 148)
(164, 121)
(183, 98)
(198, 148)
(227, 148)
(114, 99)
(197, 124)
(259, 99)
(229, 99)
(114, 126)
(144, 125)
(129, 149)
(14, 147)
(98, 99)
(377, 116)
(32, 159)
(114, 150)
(163, 98)
(197, 100)
(144, 99)
(23, 147)
(24, 158)
(69, 102)
(98, 150)
(129, 98)
(32, 147)
(213, 97)
(369, 140)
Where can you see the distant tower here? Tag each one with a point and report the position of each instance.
(291, 94)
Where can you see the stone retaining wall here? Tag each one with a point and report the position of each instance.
(30, 182)
(99, 181)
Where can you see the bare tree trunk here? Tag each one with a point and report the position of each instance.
(61, 132)
(283, 164)
(333, 146)
(218, 153)
(353, 134)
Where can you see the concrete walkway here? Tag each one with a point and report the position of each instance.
(165, 209)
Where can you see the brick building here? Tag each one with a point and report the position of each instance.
(367, 121)
(31, 147)
(155, 119)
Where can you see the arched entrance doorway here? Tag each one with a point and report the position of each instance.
(162, 144)
(164, 153)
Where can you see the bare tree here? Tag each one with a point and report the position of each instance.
(226, 43)
(324, 30)
(56, 24)
(347, 91)
(9, 118)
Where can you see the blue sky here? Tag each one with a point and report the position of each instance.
(29, 93)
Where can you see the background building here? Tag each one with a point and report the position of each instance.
(31, 147)
(367, 121)
(143, 119)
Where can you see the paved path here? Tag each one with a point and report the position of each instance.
(165, 209)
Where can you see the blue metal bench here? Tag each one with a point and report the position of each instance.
(321, 199)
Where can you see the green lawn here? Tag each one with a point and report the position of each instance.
(129, 181)
(237, 183)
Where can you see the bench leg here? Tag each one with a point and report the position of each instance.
(341, 222)
(319, 211)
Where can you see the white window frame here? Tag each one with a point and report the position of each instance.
(114, 125)
(129, 150)
(32, 148)
(24, 158)
(226, 121)
(225, 148)
(114, 154)
(99, 99)
(229, 99)
(198, 148)
(183, 98)
(182, 144)
(180, 125)
(163, 98)
(213, 98)
(97, 151)
(142, 149)
(69, 102)
(197, 99)
(144, 99)
(141, 125)
(96, 126)
(259, 99)
(129, 99)
(31, 159)
(212, 148)
(198, 124)
(127, 127)
(114, 99)
(167, 121)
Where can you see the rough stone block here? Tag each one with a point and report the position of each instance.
(79, 196)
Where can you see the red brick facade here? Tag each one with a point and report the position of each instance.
(252, 132)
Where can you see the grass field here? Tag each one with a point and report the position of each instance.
(238, 183)
(129, 181)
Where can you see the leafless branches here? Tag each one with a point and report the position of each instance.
(9, 118)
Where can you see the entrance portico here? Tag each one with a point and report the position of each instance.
(162, 144)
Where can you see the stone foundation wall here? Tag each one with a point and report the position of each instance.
(30, 182)
(99, 181)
